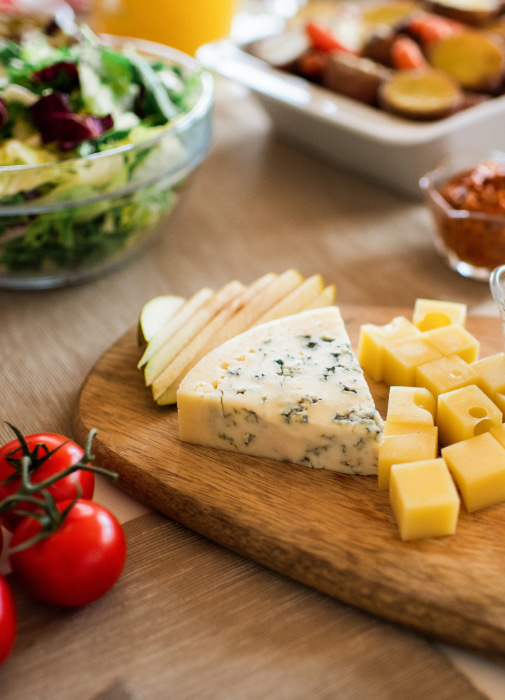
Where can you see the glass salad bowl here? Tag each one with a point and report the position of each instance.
(94, 201)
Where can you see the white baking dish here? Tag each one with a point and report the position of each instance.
(391, 151)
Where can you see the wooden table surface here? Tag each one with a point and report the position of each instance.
(189, 619)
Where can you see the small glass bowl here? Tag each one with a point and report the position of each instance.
(106, 206)
(471, 242)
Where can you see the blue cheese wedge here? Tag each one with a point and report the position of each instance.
(290, 390)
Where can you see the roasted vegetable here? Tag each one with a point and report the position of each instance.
(475, 59)
(378, 45)
(473, 12)
(354, 77)
(281, 50)
(422, 95)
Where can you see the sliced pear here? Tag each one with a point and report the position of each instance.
(232, 320)
(294, 302)
(186, 333)
(173, 324)
(154, 314)
(326, 298)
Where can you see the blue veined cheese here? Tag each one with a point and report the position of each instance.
(291, 390)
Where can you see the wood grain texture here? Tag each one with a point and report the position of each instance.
(189, 619)
(335, 533)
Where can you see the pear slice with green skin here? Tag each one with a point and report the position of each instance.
(326, 298)
(186, 334)
(295, 301)
(154, 314)
(257, 299)
(173, 324)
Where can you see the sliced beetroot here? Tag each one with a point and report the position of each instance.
(47, 106)
(62, 76)
(52, 115)
(73, 129)
(4, 114)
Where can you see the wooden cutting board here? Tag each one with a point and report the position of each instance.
(332, 532)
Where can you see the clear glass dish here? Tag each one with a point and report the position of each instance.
(103, 209)
(497, 286)
(472, 242)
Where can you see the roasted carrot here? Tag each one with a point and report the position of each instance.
(429, 28)
(406, 54)
(313, 63)
(322, 38)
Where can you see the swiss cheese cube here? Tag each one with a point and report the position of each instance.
(398, 428)
(478, 468)
(445, 374)
(402, 357)
(455, 340)
(499, 400)
(373, 338)
(409, 447)
(491, 374)
(432, 313)
(412, 405)
(497, 431)
(464, 413)
(424, 499)
(291, 390)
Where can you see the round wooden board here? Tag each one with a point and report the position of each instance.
(332, 532)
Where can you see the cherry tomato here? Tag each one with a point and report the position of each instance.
(75, 565)
(8, 621)
(65, 489)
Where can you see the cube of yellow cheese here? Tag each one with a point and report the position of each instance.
(424, 499)
(402, 357)
(398, 428)
(445, 374)
(478, 468)
(372, 339)
(499, 400)
(431, 313)
(409, 447)
(412, 405)
(455, 340)
(498, 432)
(464, 413)
(491, 374)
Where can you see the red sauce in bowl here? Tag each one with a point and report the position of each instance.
(477, 239)
(479, 189)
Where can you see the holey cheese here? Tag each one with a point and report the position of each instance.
(291, 390)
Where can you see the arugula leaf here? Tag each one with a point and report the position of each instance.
(156, 97)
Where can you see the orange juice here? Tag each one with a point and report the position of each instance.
(182, 24)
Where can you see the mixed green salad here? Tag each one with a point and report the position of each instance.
(80, 121)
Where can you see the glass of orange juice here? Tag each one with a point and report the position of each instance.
(182, 24)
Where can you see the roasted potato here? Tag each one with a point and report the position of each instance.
(355, 77)
(281, 50)
(476, 13)
(421, 95)
(475, 59)
(378, 45)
